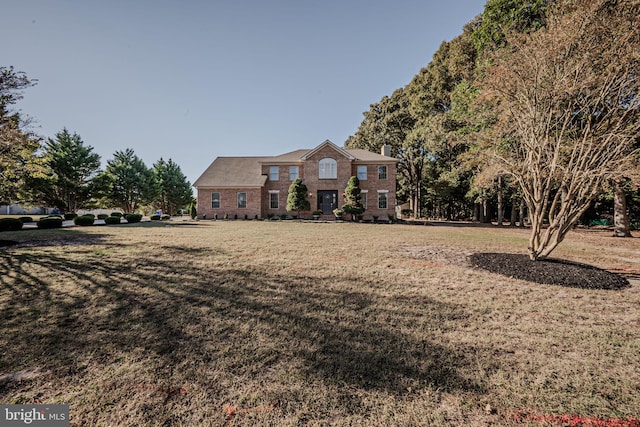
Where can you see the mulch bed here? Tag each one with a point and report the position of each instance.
(549, 271)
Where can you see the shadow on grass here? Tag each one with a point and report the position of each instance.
(60, 309)
(549, 271)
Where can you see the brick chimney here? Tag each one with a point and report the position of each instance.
(386, 150)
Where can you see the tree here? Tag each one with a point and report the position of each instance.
(19, 159)
(72, 166)
(352, 198)
(175, 190)
(127, 182)
(502, 16)
(568, 103)
(297, 197)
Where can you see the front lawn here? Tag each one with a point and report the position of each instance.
(302, 323)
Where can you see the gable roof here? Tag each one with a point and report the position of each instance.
(232, 172)
(328, 143)
(367, 156)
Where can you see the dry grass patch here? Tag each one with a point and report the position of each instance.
(291, 323)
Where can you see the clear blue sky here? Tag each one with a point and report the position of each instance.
(192, 80)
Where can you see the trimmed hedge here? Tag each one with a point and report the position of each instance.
(88, 215)
(165, 217)
(25, 219)
(102, 216)
(83, 220)
(70, 215)
(112, 220)
(154, 217)
(50, 222)
(131, 218)
(10, 224)
(118, 214)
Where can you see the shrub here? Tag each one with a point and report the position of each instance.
(165, 217)
(246, 216)
(25, 219)
(88, 215)
(112, 220)
(10, 224)
(118, 214)
(102, 216)
(391, 219)
(50, 222)
(316, 213)
(226, 216)
(84, 220)
(270, 216)
(235, 216)
(375, 218)
(54, 216)
(283, 217)
(155, 217)
(131, 218)
(70, 215)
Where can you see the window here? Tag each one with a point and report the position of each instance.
(242, 200)
(382, 172)
(328, 169)
(215, 200)
(274, 173)
(362, 172)
(293, 173)
(383, 200)
(363, 198)
(274, 202)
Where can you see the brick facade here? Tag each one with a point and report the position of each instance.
(267, 195)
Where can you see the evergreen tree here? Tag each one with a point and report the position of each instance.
(353, 199)
(297, 197)
(175, 191)
(127, 181)
(72, 166)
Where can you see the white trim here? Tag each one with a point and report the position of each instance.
(332, 145)
(380, 191)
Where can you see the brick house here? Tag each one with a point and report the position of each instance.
(249, 187)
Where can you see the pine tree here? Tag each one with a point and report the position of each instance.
(297, 198)
(352, 198)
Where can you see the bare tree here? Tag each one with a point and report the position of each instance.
(568, 104)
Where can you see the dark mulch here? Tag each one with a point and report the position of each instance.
(549, 271)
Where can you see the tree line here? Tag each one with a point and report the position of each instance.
(533, 111)
(65, 173)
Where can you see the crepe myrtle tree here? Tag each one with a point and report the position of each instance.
(568, 103)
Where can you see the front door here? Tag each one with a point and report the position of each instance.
(327, 201)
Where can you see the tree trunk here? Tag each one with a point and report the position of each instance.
(521, 213)
(476, 212)
(486, 215)
(621, 226)
(500, 204)
(514, 214)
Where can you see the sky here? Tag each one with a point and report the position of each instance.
(193, 80)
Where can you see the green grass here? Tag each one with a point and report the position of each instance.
(293, 323)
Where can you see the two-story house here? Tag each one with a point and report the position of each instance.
(249, 187)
